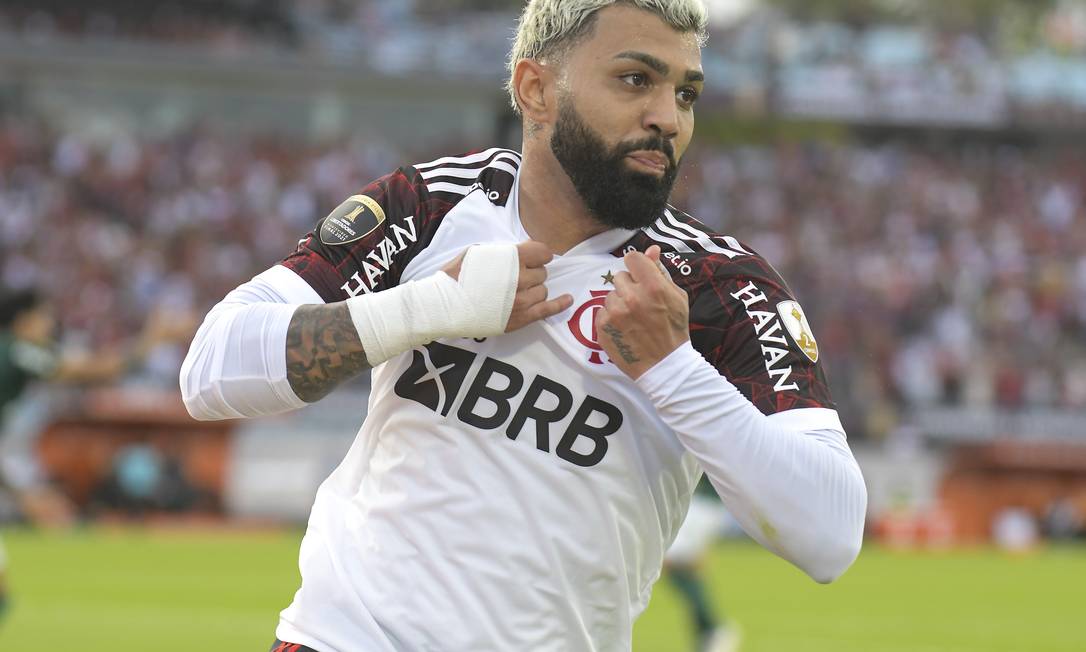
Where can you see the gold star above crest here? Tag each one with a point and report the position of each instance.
(608, 277)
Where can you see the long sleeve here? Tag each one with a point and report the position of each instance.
(789, 478)
(236, 365)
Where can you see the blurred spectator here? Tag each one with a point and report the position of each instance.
(143, 479)
(1015, 530)
(28, 353)
(1062, 520)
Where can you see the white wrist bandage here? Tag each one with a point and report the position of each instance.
(419, 312)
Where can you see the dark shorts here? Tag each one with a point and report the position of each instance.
(280, 646)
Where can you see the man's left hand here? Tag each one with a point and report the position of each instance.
(645, 317)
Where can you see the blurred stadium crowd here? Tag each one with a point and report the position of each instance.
(112, 230)
(935, 275)
(932, 276)
(847, 63)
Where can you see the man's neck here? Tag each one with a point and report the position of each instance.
(551, 210)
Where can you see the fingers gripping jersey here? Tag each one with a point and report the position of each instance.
(515, 492)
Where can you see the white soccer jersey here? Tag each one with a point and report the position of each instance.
(518, 492)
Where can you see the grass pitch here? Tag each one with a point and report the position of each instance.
(119, 590)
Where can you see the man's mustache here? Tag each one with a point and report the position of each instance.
(648, 145)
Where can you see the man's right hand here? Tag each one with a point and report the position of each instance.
(530, 303)
(328, 343)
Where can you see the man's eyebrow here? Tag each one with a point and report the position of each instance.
(658, 65)
(647, 59)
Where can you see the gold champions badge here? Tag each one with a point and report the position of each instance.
(796, 322)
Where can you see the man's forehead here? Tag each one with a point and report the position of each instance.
(620, 30)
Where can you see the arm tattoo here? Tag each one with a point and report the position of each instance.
(624, 349)
(323, 350)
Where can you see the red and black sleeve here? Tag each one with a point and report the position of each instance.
(747, 323)
(364, 244)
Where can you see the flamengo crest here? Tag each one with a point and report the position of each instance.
(583, 324)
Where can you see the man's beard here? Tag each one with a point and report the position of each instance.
(615, 195)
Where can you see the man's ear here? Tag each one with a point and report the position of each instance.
(533, 84)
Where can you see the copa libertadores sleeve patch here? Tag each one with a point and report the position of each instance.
(353, 220)
(796, 323)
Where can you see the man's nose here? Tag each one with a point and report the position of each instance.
(662, 114)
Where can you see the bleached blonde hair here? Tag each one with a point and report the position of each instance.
(547, 28)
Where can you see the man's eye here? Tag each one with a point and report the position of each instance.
(635, 79)
(688, 95)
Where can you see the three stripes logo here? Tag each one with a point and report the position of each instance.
(683, 238)
(492, 171)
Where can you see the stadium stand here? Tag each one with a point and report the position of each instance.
(854, 67)
(935, 230)
(966, 267)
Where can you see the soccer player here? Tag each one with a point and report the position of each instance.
(683, 567)
(28, 354)
(558, 355)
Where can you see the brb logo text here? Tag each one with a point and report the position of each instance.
(494, 399)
